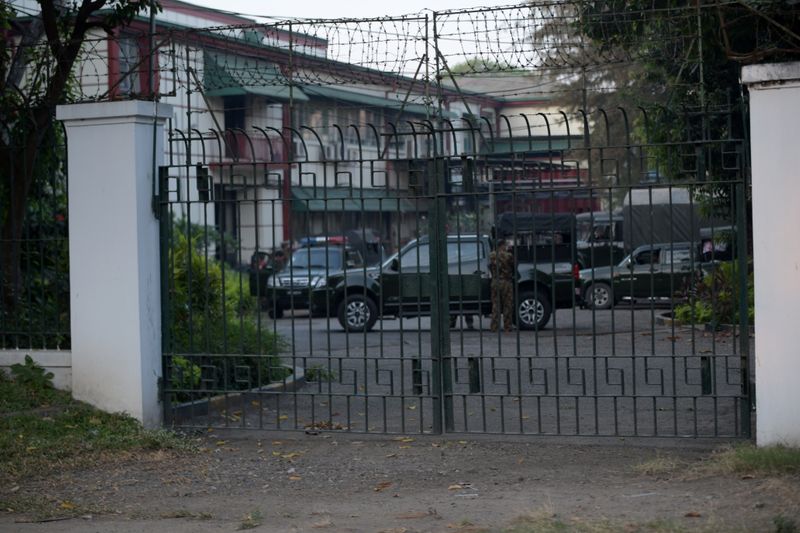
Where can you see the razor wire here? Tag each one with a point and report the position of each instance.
(550, 42)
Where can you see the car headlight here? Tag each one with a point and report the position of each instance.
(320, 283)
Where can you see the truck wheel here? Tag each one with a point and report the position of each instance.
(598, 296)
(533, 310)
(275, 312)
(357, 313)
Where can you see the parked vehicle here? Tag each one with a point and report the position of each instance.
(289, 288)
(648, 216)
(366, 241)
(279, 289)
(600, 238)
(402, 287)
(651, 271)
(262, 266)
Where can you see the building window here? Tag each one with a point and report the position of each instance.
(234, 107)
(129, 58)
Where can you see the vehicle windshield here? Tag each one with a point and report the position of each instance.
(387, 264)
(588, 232)
(325, 258)
(584, 230)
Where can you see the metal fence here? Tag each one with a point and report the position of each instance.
(603, 145)
(368, 307)
(34, 252)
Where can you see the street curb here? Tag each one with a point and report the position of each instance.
(665, 319)
(188, 410)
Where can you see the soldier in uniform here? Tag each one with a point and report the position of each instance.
(501, 268)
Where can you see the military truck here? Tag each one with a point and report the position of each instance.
(648, 216)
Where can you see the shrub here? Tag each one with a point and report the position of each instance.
(214, 329)
(32, 376)
(714, 299)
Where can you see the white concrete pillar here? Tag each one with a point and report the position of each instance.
(114, 255)
(775, 138)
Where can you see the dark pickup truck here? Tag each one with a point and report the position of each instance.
(543, 247)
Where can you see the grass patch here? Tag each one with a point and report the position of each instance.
(737, 460)
(785, 525)
(659, 466)
(184, 513)
(251, 520)
(43, 429)
(549, 523)
(319, 373)
(749, 459)
(15, 397)
(38, 508)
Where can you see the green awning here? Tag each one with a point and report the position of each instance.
(523, 145)
(340, 199)
(233, 75)
(367, 100)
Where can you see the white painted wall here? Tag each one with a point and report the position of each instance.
(59, 362)
(774, 133)
(114, 255)
(552, 123)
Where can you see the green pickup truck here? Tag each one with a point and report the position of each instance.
(651, 272)
(543, 247)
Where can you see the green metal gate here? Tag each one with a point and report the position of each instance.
(336, 194)
(331, 267)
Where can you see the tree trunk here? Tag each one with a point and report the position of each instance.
(20, 171)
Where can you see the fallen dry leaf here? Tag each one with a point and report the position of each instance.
(382, 486)
(291, 455)
(455, 486)
(295, 478)
(67, 505)
(692, 514)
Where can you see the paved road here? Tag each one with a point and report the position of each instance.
(620, 372)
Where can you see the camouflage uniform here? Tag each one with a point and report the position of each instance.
(501, 268)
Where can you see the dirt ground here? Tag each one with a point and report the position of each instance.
(331, 482)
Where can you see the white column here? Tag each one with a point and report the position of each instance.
(114, 255)
(775, 138)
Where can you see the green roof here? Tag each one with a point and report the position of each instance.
(367, 100)
(523, 145)
(238, 75)
(337, 199)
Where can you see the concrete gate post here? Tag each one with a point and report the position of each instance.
(775, 138)
(115, 295)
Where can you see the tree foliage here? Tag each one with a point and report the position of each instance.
(38, 53)
(688, 55)
(213, 316)
(675, 66)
